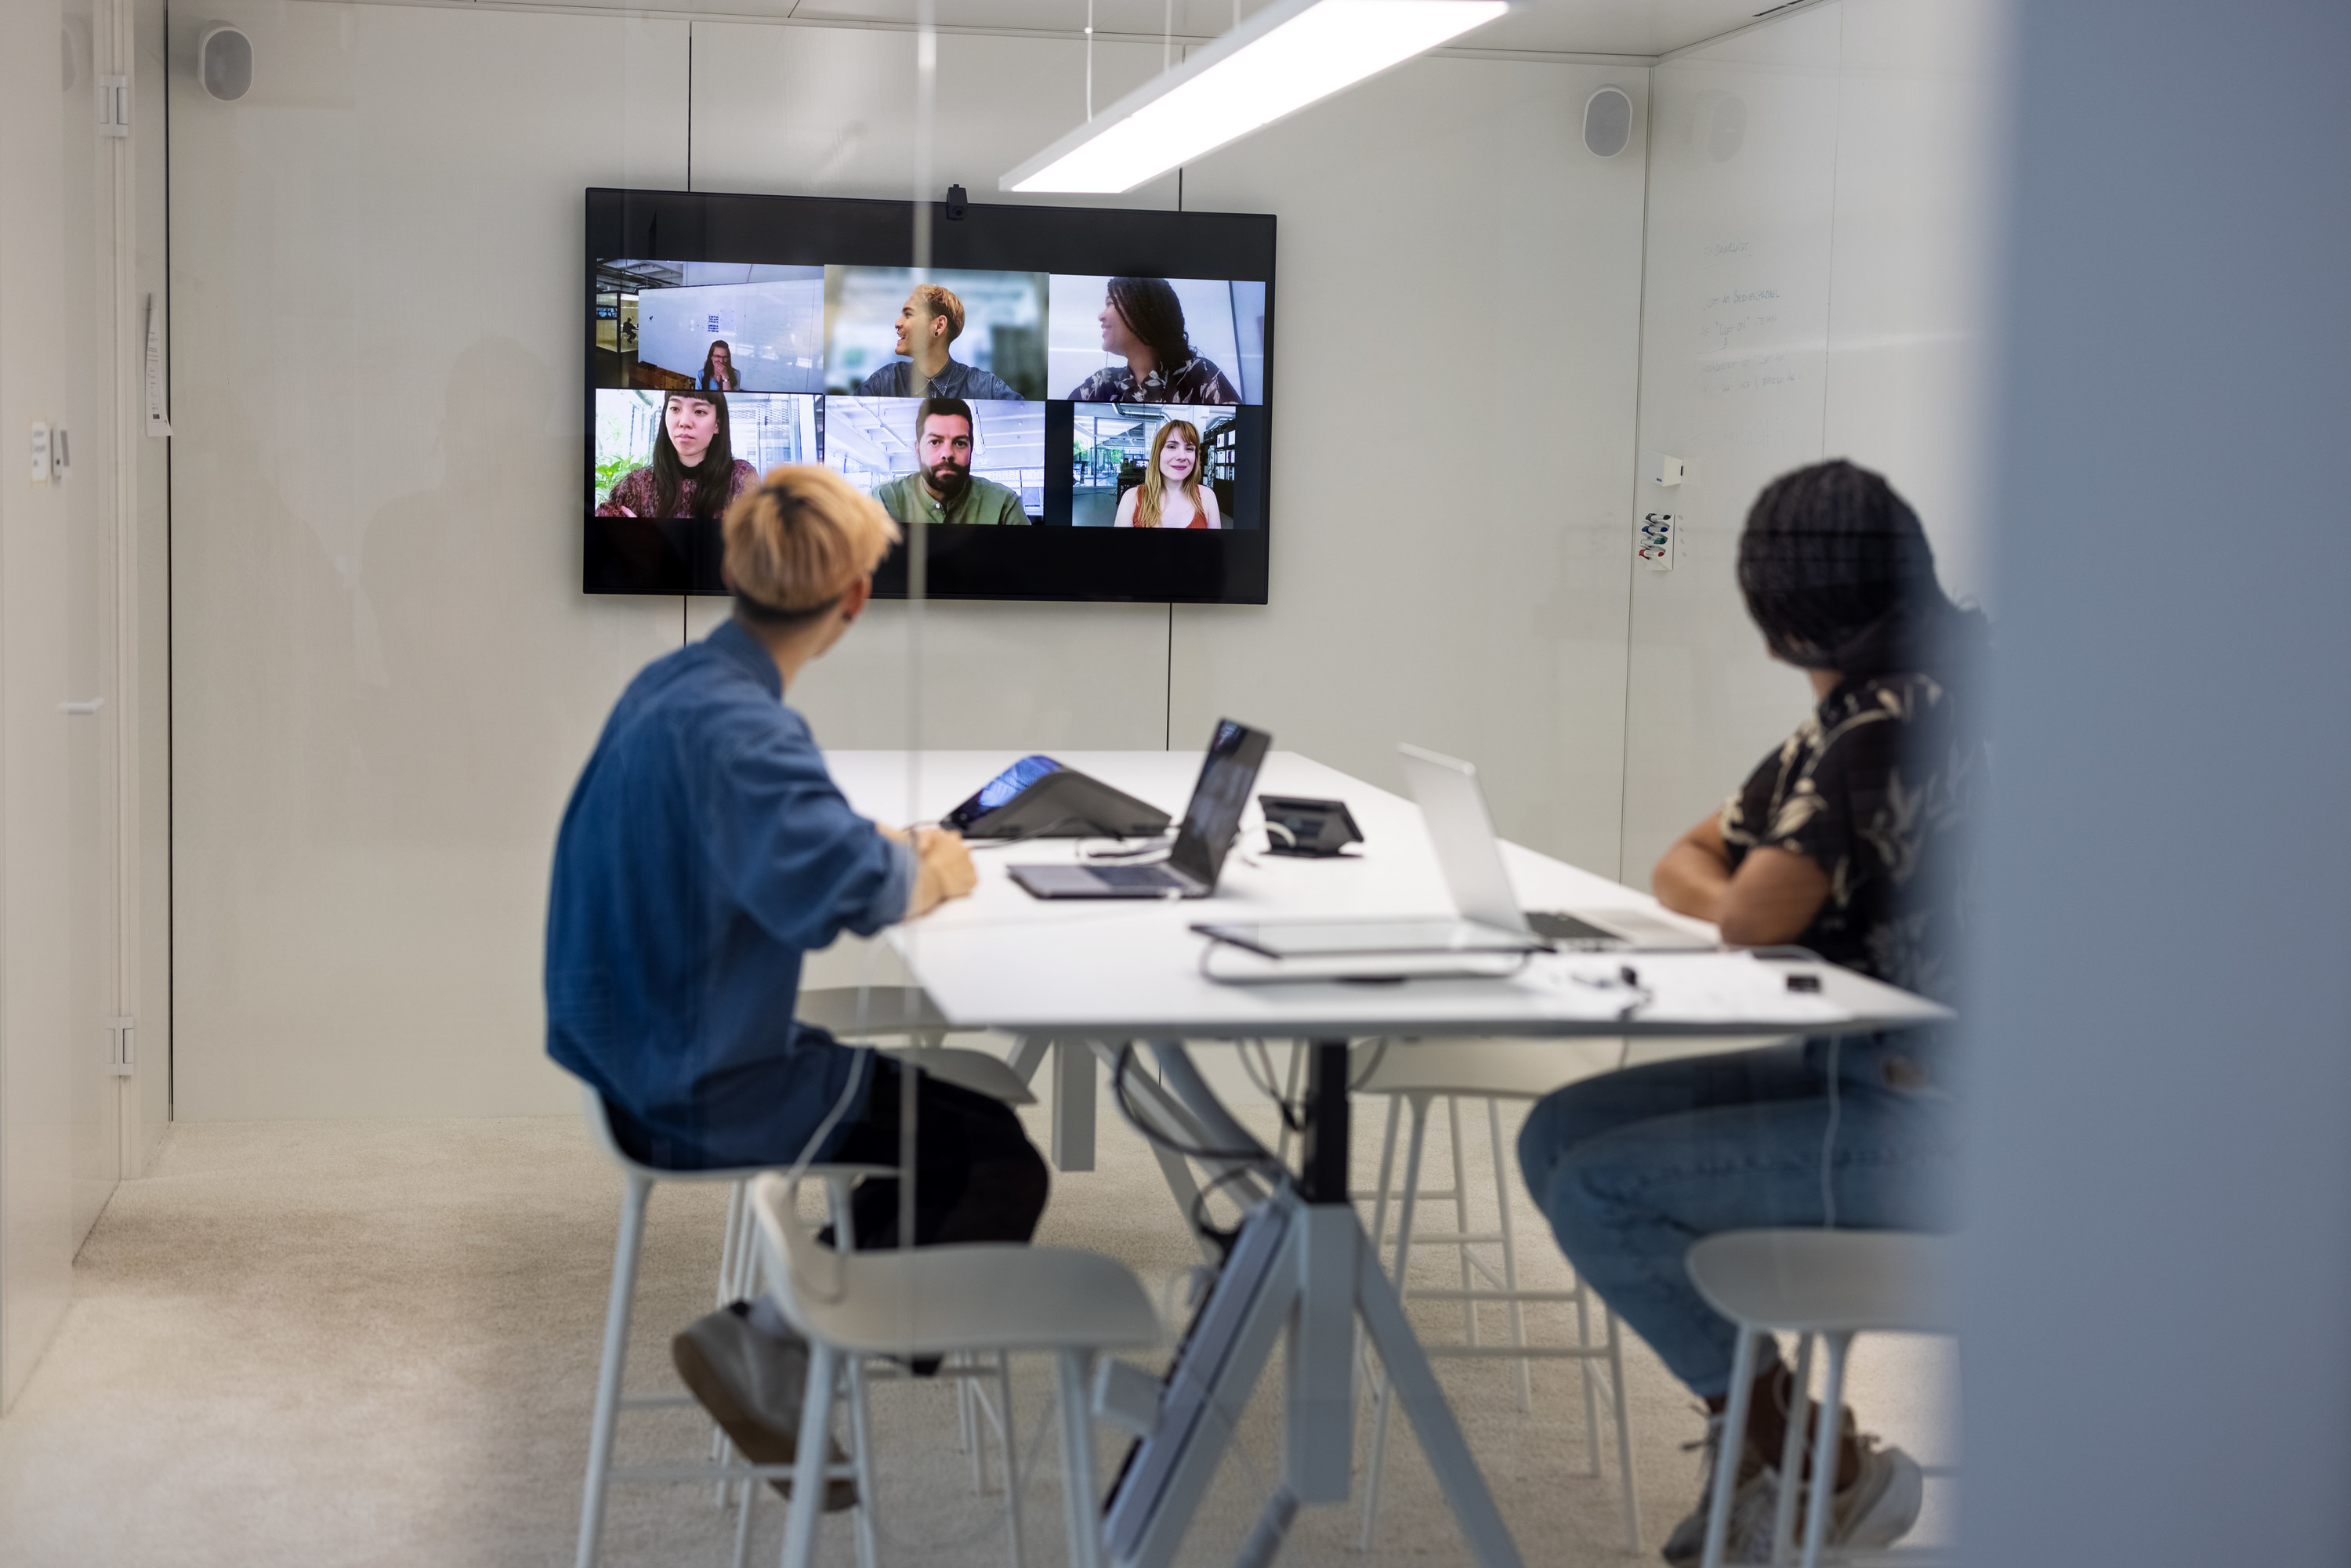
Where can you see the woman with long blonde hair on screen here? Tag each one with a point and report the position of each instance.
(1171, 495)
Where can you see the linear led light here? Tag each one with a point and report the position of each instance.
(1276, 63)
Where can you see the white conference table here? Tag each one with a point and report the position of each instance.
(1083, 979)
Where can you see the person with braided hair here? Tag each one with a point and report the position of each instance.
(705, 851)
(1848, 839)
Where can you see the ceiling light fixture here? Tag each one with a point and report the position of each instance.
(1281, 60)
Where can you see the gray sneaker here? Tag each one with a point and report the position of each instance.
(752, 1383)
(1749, 1537)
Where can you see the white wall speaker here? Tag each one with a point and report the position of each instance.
(1607, 121)
(224, 63)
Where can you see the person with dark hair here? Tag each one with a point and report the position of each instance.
(705, 853)
(1847, 838)
(928, 324)
(1143, 323)
(694, 472)
(944, 489)
(718, 372)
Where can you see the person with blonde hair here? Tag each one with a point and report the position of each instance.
(1171, 495)
(931, 320)
(705, 851)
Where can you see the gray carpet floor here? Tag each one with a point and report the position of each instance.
(374, 1342)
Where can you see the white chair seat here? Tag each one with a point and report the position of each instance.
(1416, 1073)
(861, 1012)
(1484, 1068)
(1825, 1284)
(992, 1296)
(977, 1071)
(737, 1269)
(1829, 1282)
(944, 1300)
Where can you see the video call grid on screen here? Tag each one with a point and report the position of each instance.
(790, 315)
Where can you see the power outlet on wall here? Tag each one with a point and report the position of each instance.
(1652, 543)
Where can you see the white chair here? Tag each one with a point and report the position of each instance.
(973, 1298)
(1833, 1284)
(863, 1015)
(1415, 1075)
(734, 1281)
(868, 1014)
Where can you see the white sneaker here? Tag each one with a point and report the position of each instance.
(1749, 1536)
(1877, 1510)
(1882, 1502)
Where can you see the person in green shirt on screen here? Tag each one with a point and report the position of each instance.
(944, 489)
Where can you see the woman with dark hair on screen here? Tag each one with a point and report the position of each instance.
(1171, 495)
(694, 472)
(718, 372)
(1143, 323)
(1850, 839)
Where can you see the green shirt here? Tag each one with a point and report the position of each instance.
(983, 501)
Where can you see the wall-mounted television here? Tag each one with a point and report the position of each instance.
(1075, 400)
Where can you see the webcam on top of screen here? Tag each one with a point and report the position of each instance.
(957, 202)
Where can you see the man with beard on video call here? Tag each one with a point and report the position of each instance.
(944, 489)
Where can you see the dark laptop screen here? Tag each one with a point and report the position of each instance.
(1214, 816)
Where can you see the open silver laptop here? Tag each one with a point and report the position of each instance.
(1471, 859)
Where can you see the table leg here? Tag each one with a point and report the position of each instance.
(1416, 1386)
(1323, 1148)
(1029, 1052)
(1073, 1105)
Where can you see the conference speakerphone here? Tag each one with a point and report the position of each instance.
(1037, 797)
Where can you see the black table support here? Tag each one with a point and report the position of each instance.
(1323, 1160)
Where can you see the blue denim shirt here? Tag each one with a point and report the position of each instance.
(705, 850)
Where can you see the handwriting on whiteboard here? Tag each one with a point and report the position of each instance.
(1749, 373)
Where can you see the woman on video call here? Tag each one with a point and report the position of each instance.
(694, 472)
(1170, 496)
(1143, 323)
(718, 372)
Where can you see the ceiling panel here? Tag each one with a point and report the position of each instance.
(1639, 28)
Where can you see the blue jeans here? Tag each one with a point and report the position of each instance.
(1631, 1168)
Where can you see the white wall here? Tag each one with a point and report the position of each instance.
(61, 1129)
(36, 1084)
(823, 111)
(1816, 237)
(1455, 578)
(386, 677)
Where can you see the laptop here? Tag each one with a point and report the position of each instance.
(1211, 821)
(1463, 832)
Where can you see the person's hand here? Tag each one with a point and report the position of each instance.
(943, 870)
(623, 512)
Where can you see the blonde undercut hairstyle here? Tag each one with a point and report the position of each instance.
(942, 302)
(795, 544)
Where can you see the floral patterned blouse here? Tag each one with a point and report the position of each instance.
(1874, 788)
(636, 491)
(1196, 381)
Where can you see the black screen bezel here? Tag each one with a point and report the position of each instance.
(629, 555)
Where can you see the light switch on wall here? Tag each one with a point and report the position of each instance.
(40, 471)
(1653, 544)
